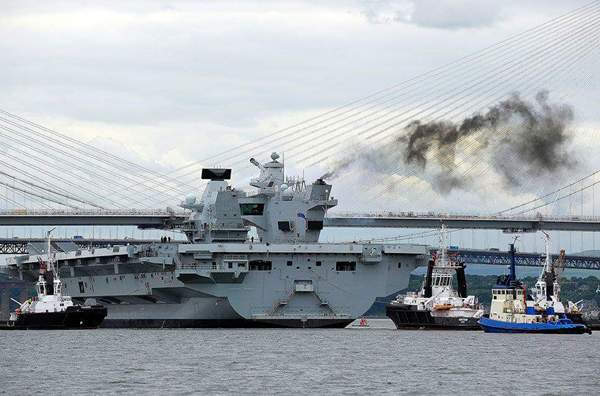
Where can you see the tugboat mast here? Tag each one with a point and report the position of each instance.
(51, 265)
(443, 251)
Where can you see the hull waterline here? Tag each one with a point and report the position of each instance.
(406, 318)
(75, 317)
(496, 326)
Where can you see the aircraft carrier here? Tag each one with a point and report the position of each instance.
(252, 260)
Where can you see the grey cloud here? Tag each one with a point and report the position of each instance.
(440, 14)
(453, 14)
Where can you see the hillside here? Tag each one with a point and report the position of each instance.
(574, 289)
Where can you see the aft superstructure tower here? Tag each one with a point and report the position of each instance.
(285, 211)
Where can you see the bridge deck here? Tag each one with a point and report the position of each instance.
(162, 219)
(510, 224)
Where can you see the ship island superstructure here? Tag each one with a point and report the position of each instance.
(251, 259)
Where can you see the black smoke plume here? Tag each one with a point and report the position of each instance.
(521, 140)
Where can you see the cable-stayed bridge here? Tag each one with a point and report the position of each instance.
(71, 182)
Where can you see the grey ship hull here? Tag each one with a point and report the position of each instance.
(223, 323)
(200, 313)
(172, 285)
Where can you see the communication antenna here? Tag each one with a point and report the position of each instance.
(50, 260)
(547, 261)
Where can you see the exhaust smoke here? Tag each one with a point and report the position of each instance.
(520, 140)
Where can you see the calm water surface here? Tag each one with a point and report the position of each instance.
(264, 361)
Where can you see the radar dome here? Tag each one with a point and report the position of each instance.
(274, 156)
(190, 199)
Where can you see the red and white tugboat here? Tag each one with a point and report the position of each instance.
(51, 309)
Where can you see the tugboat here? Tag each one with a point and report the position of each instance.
(51, 309)
(547, 288)
(514, 311)
(438, 305)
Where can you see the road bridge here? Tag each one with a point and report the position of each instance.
(522, 259)
(38, 245)
(165, 219)
(430, 220)
(156, 219)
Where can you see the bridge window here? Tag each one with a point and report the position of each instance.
(284, 226)
(314, 225)
(250, 209)
(260, 265)
(289, 263)
(318, 263)
(399, 265)
(345, 266)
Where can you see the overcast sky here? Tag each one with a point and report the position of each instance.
(169, 82)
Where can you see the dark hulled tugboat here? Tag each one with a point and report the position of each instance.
(51, 309)
(438, 305)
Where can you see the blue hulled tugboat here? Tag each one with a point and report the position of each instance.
(513, 311)
(50, 309)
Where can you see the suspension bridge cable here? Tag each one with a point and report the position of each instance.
(543, 74)
(94, 167)
(270, 137)
(415, 107)
(92, 150)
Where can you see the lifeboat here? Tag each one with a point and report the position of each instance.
(442, 307)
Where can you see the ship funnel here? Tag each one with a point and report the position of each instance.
(513, 275)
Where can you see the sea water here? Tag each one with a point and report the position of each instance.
(295, 361)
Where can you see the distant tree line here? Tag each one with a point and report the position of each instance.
(573, 289)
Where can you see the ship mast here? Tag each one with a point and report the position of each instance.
(49, 249)
(547, 263)
(51, 266)
(443, 250)
(541, 286)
